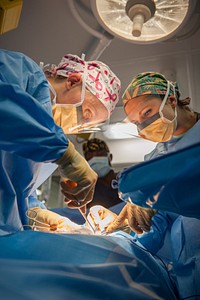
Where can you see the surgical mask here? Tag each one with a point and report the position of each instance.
(64, 115)
(158, 128)
(100, 165)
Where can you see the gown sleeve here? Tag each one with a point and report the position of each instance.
(27, 127)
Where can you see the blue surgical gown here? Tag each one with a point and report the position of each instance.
(181, 194)
(29, 137)
(174, 172)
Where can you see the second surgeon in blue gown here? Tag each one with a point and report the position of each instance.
(153, 103)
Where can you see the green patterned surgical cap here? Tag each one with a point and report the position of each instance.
(148, 83)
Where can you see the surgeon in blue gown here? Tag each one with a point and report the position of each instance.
(38, 108)
(168, 180)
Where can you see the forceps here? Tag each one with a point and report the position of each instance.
(86, 219)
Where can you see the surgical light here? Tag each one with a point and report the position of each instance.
(142, 21)
(139, 13)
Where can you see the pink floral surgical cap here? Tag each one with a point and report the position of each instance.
(99, 80)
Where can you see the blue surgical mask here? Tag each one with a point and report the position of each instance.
(100, 165)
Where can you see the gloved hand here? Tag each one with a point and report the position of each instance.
(101, 217)
(139, 218)
(44, 219)
(75, 168)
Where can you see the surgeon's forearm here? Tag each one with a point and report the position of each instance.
(27, 129)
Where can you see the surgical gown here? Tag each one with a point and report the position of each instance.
(29, 137)
(175, 174)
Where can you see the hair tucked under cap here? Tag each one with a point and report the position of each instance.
(100, 80)
(95, 145)
(149, 83)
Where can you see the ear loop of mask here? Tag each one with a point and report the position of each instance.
(45, 68)
(79, 105)
(164, 102)
(83, 79)
(53, 92)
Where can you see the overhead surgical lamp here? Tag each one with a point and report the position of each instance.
(143, 21)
